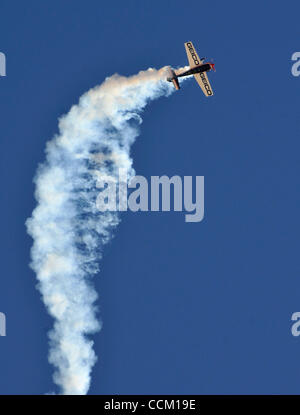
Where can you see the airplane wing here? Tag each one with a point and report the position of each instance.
(203, 81)
(193, 58)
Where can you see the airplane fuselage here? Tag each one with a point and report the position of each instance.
(197, 69)
(202, 68)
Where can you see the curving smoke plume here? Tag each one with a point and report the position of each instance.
(67, 229)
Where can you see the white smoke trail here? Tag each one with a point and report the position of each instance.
(69, 233)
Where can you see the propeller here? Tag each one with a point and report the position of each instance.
(212, 64)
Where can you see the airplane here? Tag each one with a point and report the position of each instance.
(197, 68)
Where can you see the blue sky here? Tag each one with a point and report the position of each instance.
(196, 308)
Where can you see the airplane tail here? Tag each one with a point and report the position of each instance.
(173, 78)
(176, 83)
